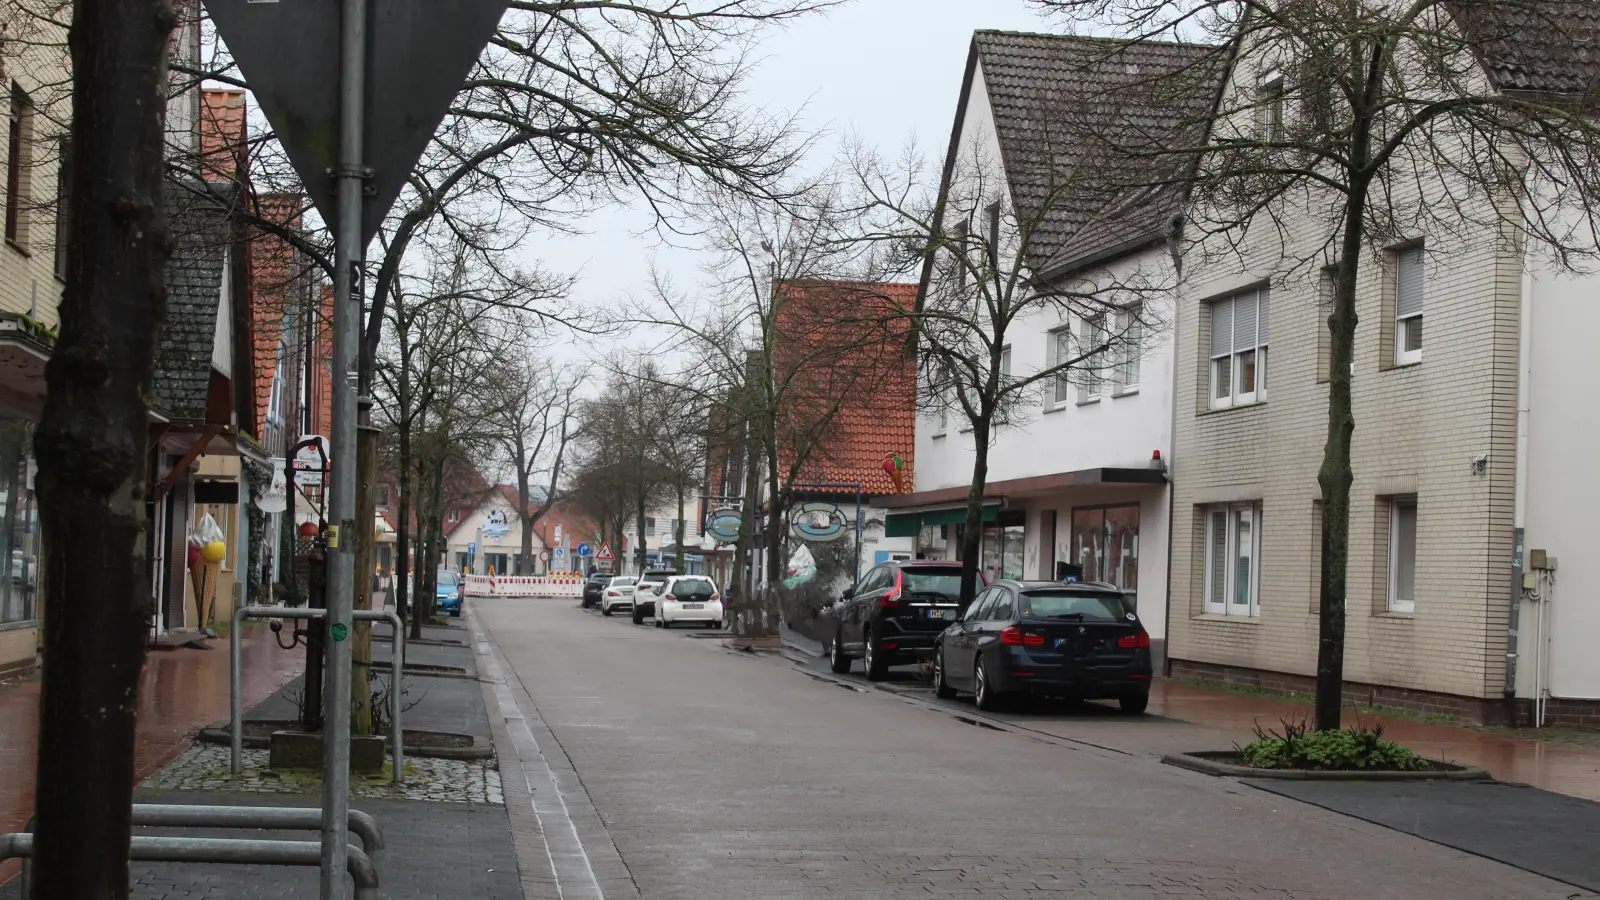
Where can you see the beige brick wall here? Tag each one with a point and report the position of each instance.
(35, 60)
(1418, 429)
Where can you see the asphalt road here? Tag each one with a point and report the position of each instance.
(660, 765)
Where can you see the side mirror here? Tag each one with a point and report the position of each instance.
(848, 593)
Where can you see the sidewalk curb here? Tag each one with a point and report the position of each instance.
(1198, 763)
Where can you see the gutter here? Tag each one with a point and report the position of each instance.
(1519, 516)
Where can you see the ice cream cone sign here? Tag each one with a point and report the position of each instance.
(896, 467)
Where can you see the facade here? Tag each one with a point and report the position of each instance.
(486, 536)
(1076, 484)
(32, 266)
(1466, 456)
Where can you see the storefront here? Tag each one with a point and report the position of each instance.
(19, 543)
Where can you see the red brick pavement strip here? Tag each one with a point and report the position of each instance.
(182, 691)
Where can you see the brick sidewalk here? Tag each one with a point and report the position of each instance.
(182, 691)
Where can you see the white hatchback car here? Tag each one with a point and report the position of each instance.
(692, 599)
(618, 595)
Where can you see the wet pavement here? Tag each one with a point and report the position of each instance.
(182, 691)
(1186, 717)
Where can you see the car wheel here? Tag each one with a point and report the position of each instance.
(605, 611)
(1134, 704)
(456, 614)
(985, 695)
(941, 687)
(638, 616)
(660, 623)
(877, 665)
(837, 661)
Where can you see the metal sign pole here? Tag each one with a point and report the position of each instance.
(341, 503)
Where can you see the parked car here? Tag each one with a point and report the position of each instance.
(618, 594)
(1078, 640)
(894, 615)
(447, 593)
(646, 592)
(689, 598)
(593, 588)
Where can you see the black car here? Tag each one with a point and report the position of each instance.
(895, 614)
(1077, 640)
(594, 587)
(651, 581)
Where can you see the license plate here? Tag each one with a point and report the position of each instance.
(948, 615)
(694, 606)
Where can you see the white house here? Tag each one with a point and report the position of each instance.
(1076, 487)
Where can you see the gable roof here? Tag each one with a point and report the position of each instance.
(1072, 115)
(187, 339)
(1543, 46)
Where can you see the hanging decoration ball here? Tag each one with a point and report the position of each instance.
(214, 551)
(308, 529)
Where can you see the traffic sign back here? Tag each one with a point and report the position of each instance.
(419, 54)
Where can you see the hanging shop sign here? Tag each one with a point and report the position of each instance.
(818, 522)
(723, 524)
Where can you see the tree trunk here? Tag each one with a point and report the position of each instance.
(972, 534)
(644, 541)
(428, 568)
(1336, 474)
(677, 538)
(525, 555)
(91, 449)
(402, 539)
(366, 554)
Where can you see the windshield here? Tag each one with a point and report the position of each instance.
(1047, 604)
(929, 580)
(447, 579)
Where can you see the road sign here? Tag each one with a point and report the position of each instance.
(605, 554)
(419, 54)
(472, 548)
(544, 555)
(560, 552)
(584, 549)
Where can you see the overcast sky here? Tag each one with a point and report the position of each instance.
(883, 69)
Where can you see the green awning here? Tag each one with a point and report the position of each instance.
(908, 524)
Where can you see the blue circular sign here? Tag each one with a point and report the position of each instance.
(584, 549)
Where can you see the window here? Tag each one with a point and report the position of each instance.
(1005, 365)
(1409, 289)
(1327, 284)
(21, 123)
(1239, 349)
(1105, 545)
(1003, 607)
(941, 422)
(1091, 383)
(63, 199)
(649, 525)
(455, 515)
(1058, 350)
(1047, 603)
(19, 527)
(1403, 555)
(975, 612)
(959, 257)
(1233, 553)
(992, 214)
(1131, 328)
(383, 496)
(1269, 108)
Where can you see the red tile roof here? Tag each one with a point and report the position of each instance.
(223, 135)
(841, 349)
(272, 278)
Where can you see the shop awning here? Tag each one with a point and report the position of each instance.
(908, 524)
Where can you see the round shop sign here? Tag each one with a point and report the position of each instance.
(817, 522)
(723, 524)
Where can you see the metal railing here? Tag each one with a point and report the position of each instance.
(236, 677)
(225, 850)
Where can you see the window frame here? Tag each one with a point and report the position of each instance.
(1233, 514)
(19, 122)
(1126, 372)
(1092, 384)
(1271, 108)
(1405, 355)
(1234, 357)
(1394, 603)
(1058, 347)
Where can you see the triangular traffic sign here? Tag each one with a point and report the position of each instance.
(605, 553)
(419, 52)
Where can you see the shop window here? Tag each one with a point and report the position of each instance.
(1003, 546)
(1105, 546)
(19, 524)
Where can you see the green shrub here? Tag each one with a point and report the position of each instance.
(1349, 749)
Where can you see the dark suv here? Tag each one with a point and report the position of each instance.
(895, 614)
(594, 587)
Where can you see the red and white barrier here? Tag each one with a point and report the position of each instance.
(524, 586)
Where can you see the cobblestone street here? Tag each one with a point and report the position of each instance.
(685, 769)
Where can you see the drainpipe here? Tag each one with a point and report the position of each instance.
(1520, 503)
(1175, 247)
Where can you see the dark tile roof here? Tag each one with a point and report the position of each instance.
(1077, 119)
(200, 235)
(1543, 46)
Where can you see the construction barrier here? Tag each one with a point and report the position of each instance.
(524, 586)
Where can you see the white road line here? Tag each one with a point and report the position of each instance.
(569, 861)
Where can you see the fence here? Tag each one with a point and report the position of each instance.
(524, 586)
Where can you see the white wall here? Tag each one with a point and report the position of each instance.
(1563, 487)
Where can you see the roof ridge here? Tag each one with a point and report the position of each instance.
(1090, 38)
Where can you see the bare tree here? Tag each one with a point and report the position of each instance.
(533, 418)
(1367, 123)
(92, 447)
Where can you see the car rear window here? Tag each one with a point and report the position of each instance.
(927, 580)
(447, 579)
(1048, 604)
(693, 587)
(622, 581)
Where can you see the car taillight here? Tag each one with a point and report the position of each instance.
(1016, 637)
(715, 597)
(893, 597)
(612, 594)
(1140, 641)
(672, 598)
